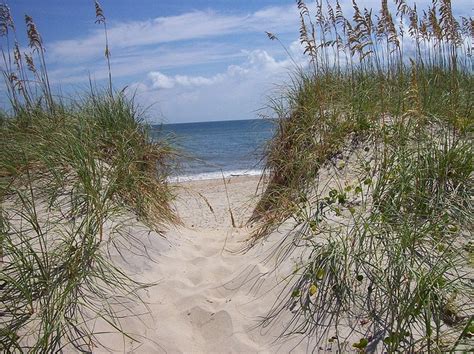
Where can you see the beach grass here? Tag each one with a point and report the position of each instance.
(371, 166)
(74, 175)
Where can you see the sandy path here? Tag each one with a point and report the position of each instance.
(209, 298)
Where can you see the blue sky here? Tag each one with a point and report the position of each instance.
(186, 60)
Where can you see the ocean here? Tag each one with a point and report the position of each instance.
(233, 147)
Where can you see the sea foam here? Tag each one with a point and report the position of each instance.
(214, 175)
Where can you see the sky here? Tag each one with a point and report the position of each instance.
(184, 60)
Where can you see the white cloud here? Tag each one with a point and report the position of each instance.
(186, 40)
(185, 80)
(145, 60)
(188, 26)
(258, 61)
(235, 93)
(161, 80)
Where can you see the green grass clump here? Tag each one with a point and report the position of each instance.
(372, 168)
(73, 178)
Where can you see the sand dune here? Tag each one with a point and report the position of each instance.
(209, 297)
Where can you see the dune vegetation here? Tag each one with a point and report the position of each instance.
(74, 173)
(370, 180)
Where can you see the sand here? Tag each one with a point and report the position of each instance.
(209, 297)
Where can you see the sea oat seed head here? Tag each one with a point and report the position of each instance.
(6, 20)
(30, 63)
(99, 13)
(33, 35)
(270, 35)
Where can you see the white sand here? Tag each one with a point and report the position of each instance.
(209, 298)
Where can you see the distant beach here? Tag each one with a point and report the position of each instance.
(213, 149)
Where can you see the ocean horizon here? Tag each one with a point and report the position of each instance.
(216, 148)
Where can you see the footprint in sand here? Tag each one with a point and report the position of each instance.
(217, 330)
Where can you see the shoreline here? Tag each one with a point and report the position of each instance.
(215, 175)
(217, 181)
